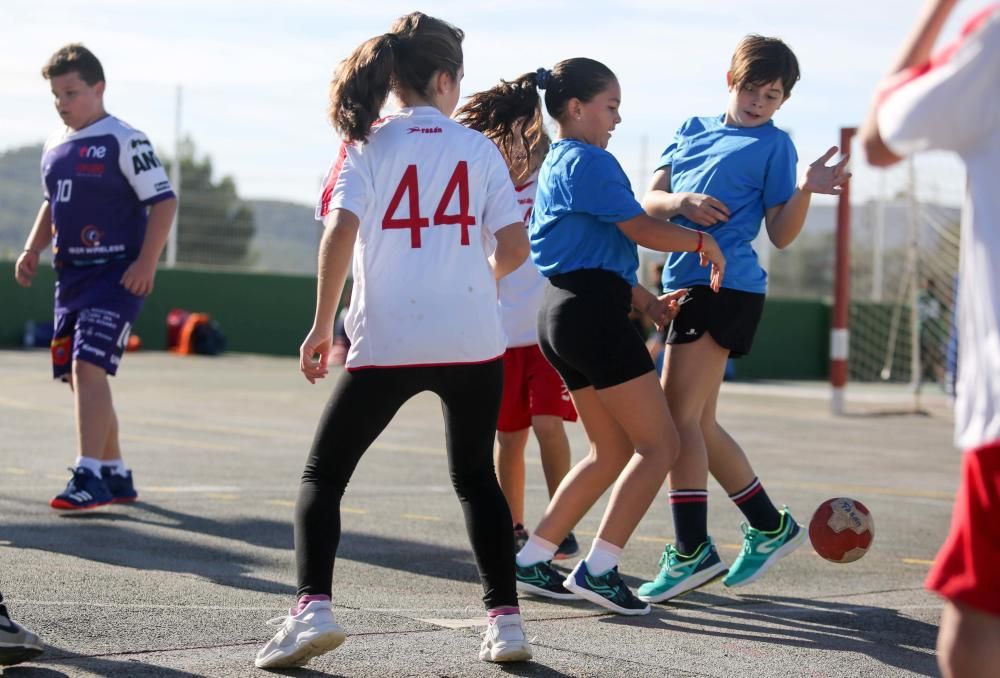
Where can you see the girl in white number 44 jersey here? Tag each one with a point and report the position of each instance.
(421, 201)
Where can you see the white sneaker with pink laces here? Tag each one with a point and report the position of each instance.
(504, 640)
(302, 636)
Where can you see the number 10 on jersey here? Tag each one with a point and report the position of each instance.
(408, 186)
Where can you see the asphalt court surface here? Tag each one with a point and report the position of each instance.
(182, 583)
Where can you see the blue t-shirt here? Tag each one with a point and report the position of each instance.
(582, 196)
(748, 169)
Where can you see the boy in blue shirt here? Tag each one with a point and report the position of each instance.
(727, 173)
(100, 177)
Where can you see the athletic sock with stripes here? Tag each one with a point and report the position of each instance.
(753, 501)
(690, 511)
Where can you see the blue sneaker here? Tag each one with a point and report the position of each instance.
(607, 590)
(83, 491)
(122, 488)
(542, 579)
(680, 574)
(761, 550)
(569, 548)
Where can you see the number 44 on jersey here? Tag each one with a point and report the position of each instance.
(409, 187)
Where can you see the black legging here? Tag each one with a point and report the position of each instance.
(362, 405)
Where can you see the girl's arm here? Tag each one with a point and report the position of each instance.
(784, 222)
(38, 239)
(335, 250)
(664, 236)
(702, 209)
(916, 51)
(511, 251)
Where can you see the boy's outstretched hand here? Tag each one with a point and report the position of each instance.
(26, 267)
(823, 178)
(138, 278)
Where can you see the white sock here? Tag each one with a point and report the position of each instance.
(602, 557)
(90, 463)
(537, 550)
(117, 466)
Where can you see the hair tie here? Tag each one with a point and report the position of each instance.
(542, 77)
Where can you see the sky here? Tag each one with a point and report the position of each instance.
(253, 74)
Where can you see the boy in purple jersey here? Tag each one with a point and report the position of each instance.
(100, 177)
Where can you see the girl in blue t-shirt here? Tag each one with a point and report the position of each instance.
(583, 231)
(727, 173)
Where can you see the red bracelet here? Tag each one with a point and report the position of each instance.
(701, 240)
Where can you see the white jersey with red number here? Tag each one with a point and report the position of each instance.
(521, 291)
(954, 104)
(430, 194)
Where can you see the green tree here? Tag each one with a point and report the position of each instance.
(214, 226)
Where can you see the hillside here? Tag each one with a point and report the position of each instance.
(285, 240)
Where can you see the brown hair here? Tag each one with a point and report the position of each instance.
(759, 61)
(74, 57)
(510, 115)
(405, 58)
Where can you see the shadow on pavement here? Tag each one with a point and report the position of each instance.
(49, 667)
(880, 633)
(123, 538)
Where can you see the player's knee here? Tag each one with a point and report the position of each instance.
(509, 443)
(548, 430)
(85, 372)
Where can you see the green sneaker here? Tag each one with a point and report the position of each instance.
(762, 549)
(680, 574)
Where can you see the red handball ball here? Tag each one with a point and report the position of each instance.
(841, 530)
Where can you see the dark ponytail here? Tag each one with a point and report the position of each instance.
(510, 115)
(578, 78)
(403, 59)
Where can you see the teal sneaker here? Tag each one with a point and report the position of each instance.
(762, 549)
(607, 590)
(541, 579)
(681, 574)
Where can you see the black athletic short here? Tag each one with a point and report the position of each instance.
(729, 316)
(585, 332)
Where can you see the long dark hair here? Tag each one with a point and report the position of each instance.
(405, 58)
(510, 115)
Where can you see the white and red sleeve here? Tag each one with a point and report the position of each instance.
(950, 102)
(501, 207)
(347, 186)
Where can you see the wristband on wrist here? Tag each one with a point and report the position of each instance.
(701, 241)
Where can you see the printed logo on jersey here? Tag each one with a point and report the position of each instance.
(425, 130)
(146, 160)
(61, 349)
(91, 236)
(97, 152)
(136, 143)
(162, 186)
(90, 169)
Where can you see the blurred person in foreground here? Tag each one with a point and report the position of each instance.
(950, 100)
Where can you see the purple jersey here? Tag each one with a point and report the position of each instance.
(98, 180)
